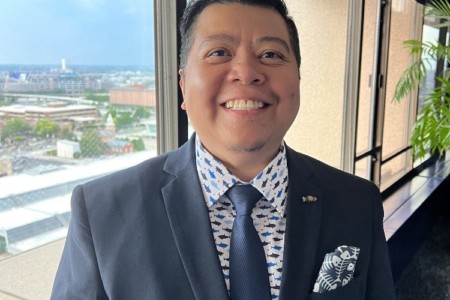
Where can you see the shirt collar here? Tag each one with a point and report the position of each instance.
(216, 179)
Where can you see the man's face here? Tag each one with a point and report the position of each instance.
(241, 83)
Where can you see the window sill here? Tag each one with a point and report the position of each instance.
(401, 204)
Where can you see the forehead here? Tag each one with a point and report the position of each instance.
(236, 19)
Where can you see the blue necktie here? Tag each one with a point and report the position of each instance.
(249, 278)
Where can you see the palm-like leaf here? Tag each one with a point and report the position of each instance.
(418, 70)
(431, 132)
(432, 129)
(439, 9)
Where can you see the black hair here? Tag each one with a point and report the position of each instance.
(195, 7)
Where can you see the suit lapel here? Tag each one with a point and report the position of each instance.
(189, 220)
(303, 220)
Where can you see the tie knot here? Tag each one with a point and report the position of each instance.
(244, 198)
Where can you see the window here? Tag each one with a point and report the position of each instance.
(398, 116)
(77, 101)
(85, 92)
(384, 126)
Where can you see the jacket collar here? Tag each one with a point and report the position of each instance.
(193, 236)
(190, 224)
(303, 220)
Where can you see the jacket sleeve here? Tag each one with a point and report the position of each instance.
(380, 284)
(78, 275)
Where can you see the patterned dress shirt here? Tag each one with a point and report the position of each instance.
(268, 214)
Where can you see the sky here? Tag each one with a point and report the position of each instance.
(83, 32)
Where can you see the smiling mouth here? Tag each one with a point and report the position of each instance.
(244, 104)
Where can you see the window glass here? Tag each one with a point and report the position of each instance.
(394, 169)
(397, 115)
(77, 101)
(430, 35)
(396, 118)
(362, 167)
(365, 105)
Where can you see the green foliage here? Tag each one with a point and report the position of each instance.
(52, 152)
(15, 127)
(89, 95)
(46, 128)
(432, 129)
(91, 144)
(66, 133)
(431, 132)
(112, 110)
(418, 70)
(5, 102)
(138, 145)
(123, 120)
(141, 113)
(439, 9)
(19, 138)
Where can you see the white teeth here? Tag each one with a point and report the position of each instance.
(243, 104)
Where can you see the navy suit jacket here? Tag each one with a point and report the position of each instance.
(144, 233)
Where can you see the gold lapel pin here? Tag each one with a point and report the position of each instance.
(309, 198)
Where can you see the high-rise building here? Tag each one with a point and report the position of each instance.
(63, 64)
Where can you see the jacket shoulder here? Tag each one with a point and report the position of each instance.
(328, 176)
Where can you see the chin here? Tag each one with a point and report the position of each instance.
(246, 147)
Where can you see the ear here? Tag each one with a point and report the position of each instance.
(181, 83)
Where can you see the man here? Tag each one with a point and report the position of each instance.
(165, 228)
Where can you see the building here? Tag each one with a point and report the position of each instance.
(136, 95)
(55, 112)
(67, 149)
(120, 147)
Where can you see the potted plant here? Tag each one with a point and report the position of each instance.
(431, 132)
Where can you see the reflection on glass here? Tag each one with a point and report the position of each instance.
(395, 169)
(362, 168)
(396, 117)
(429, 35)
(365, 88)
(77, 101)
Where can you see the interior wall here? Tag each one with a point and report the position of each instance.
(322, 26)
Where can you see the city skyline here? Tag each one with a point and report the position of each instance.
(83, 32)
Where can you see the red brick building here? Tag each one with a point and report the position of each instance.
(136, 95)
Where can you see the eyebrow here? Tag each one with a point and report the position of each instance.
(277, 40)
(218, 37)
(226, 37)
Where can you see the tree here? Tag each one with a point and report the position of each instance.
(15, 127)
(91, 144)
(66, 133)
(98, 97)
(141, 113)
(138, 145)
(112, 111)
(123, 120)
(46, 127)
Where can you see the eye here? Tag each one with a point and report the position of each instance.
(271, 54)
(218, 53)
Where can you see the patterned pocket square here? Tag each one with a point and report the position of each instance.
(337, 269)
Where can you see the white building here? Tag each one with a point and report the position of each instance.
(67, 149)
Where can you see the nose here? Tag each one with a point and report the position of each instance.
(246, 70)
